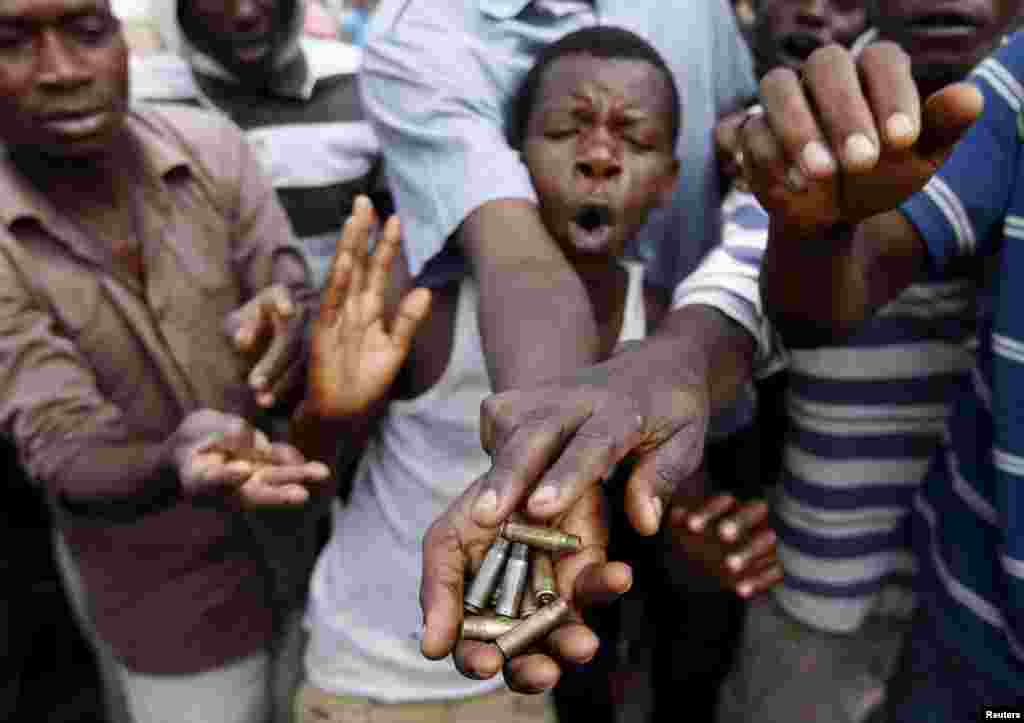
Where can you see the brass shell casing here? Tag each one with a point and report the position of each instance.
(534, 628)
(542, 574)
(529, 604)
(544, 538)
(486, 627)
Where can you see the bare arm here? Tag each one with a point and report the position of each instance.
(818, 290)
(528, 291)
(831, 158)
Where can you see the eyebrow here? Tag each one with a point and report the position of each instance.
(74, 8)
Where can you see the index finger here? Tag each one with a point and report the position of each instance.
(844, 114)
(442, 588)
(886, 72)
(522, 445)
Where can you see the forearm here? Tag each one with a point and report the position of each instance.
(535, 319)
(332, 440)
(699, 342)
(109, 480)
(820, 287)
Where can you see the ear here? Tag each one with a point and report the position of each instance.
(667, 184)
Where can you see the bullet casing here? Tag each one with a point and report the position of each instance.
(544, 538)
(486, 627)
(513, 584)
(534, 628)
(529, 604)
(542, 573)
(480, 590)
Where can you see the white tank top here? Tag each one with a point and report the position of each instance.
(364, 616)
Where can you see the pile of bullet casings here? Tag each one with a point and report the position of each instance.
(517, 578)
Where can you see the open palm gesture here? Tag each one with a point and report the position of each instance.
(355, 355)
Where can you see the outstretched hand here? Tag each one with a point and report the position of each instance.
(848, 138)
(455, 544)
(354, 354)
(551, 447)
(217, 453)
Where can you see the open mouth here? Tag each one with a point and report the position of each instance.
(942, 24)
(249, 51)
(591, 227)
(592, 216)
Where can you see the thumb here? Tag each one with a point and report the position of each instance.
(947, 115)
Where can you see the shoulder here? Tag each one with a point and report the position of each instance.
(1001, 76)
(213, 146)
(200, 132)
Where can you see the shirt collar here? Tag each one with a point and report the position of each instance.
(22, 200)
(298, 85)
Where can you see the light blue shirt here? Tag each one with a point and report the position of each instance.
(437, 77)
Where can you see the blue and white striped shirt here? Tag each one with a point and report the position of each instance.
(865, 419)
(969, 515)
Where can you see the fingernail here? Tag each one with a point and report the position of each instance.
(545, 495)
(859, 150)
(734, 562)
(817, 160)
(899, 127)
(486, 504)
(795, 179)
(258, 381)
(657, 509)
(744, 590)
(362, 202)
(728, 530)
(696, 523)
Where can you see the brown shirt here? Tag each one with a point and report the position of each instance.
(99, 366)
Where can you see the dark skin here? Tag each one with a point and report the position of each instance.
(787, 31)
(63, 102)
(601, 421)
(944, 40)
(244, 35)
(854, 252)
(884, 254)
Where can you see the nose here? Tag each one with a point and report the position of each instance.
(58, 66)
(599, 158)
(246, 13)
(813, 14)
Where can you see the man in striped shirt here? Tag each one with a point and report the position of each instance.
(296, 96)
(864, 421)
(839, 251)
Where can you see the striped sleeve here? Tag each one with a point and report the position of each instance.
(964, 205)
(727, 278)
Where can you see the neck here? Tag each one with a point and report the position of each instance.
(602, 277)
(82, 176)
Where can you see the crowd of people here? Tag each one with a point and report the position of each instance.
(301, 301)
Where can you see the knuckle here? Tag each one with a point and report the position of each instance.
(884, 52)
(777, 79)
(824, 57)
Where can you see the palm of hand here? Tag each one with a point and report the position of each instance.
(354, 355)
(354, 359)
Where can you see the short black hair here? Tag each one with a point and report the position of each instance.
(600, 41)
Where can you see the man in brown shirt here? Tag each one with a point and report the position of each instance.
(127, 237)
